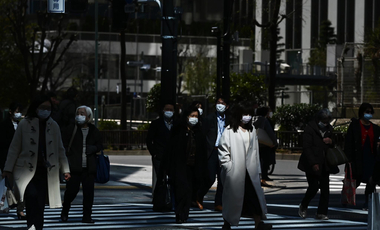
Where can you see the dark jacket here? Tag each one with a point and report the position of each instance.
(158, 138)
(314, 150)
(74, 155)
(210, 130)
(65, 116)
(178, 158)
(353, 146)
(6, 135)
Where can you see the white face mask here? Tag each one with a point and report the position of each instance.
(193, 121)
(220, 108)
(200, 111)
(270, 114)
(246, 119)
(168, 114)
(43, 114)
(17, 115)
(80, 119)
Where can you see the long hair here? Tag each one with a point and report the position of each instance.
(37, 101)
(237, 111)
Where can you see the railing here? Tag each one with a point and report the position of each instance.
(294, 139)
(132, 139)
(129, 139)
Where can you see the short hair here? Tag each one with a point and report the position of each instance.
(262, 111)
(363, 107)
(71, 93)
(14, 105)
(88, 111)
(224, 99)
(324, 114)
(36, 102)
(195, 103)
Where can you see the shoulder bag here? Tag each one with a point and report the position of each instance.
(102, 168)
(335, 156)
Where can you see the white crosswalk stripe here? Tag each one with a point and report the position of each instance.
(139, 216)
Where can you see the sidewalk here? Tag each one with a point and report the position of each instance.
(279, 155)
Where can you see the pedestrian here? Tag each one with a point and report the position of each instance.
(188, 162)
(317, 138)
(7, 130)
(200, 107)
(360, 147)
(240, 169)
(82, 141)
(267, 153)
(158, 139)
(66, 109)
(35, 158)
(54, 105)
(213, 127)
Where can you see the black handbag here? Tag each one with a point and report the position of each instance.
(336, 156)
(162, 200)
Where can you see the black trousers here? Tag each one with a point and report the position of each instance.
(213, 173)
(72, 189)
(183, 194)
(315, 183)
(35, 197)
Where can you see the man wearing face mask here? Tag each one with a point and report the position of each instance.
(158, 138)
(213, 127)
(361, 148)
(82, 141)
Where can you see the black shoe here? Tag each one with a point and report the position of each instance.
(302, 211)
(226, 226)
(88, 221)
(321, 217)
(64, 215)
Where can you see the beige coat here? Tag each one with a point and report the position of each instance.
(23, 154)
(235, 161)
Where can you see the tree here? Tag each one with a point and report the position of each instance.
(153, 99)
(200, 73)
(326, 36)
(372, 50)
(40, 49)
(275, 20)
(248, 86)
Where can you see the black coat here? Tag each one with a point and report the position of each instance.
(7, 131)
(178, 158)
(74, 155)
(353, 146)
(158, 138)
(314, 150)
(210, 130)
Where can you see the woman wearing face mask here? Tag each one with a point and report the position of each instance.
(82, 141)
(361, 144)
(7, 130)
(240, 169)
(35, 158)
(317, 138)
(188, 161)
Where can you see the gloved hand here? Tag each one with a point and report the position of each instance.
(91, 149)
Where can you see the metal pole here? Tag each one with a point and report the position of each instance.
(226, 51)
(96, 65)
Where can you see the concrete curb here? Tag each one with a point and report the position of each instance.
(279, 155)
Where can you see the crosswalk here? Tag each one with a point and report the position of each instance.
(141, 216)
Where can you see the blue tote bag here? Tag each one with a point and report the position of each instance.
(102, 169)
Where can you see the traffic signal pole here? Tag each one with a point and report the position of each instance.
(169, 33)
(226, 50)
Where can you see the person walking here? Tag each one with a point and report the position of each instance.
(187, 162)
(267, 153)
(35, 158)
(157, 140)
(360, 146)
(7, 130)
(213, 127)
(82, 141)
(66, 109)
(317, 138)
(240, 169)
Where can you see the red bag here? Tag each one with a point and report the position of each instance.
(349, 187)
